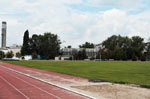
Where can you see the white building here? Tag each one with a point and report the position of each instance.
(90, 52)
(15, 49)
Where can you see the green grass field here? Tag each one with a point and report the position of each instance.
(112, 71)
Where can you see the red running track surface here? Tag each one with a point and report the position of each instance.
(17, 86)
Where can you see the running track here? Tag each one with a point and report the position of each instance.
(17, 86)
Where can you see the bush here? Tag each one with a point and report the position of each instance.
(134, 58)
(2, 54)
(9, 54)
(18, 55)
(143, 58)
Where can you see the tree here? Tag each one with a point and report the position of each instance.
(9, 54)
(87, 45)
(137, 45)
(123, 48)
(102, 54)
(25, 48)
(147, 53)
(117, 47)
(69, 46)
(82, 55)
(34, 55)
(2, 55)
(49, 45)
(143, 58)
(134, 58)
(18, 54)
(74, 54)
(148, 45)
(34, 44)
(118, 53)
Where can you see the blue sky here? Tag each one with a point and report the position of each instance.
(76, 21)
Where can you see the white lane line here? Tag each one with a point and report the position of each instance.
(14, 87)
(34, 86)
(62, 87)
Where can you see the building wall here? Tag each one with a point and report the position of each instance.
(90, 52)
(14, 50)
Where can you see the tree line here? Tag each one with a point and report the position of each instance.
(47, 45)
(124, 48)
(115, 47)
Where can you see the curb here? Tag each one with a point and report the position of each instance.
(67, 89)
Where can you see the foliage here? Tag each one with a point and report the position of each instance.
(137, 45)
(34, 55)
(148, 45)
(78, 55)
(87, 45)
(82, 55)
(69, 46)
(34, 43)
(118, 53)
(148, 50)
(9, 54)
(47, 45)
(134, 58)
(74, 54)
(102, 54)
(25, 48)
(123, 48)
(2, 55)
(18, 54)
(143, 58)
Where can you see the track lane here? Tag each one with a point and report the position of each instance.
(36, 89)
(7, 92)
(14, 87)
(27, 90)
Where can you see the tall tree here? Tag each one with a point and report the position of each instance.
(69, 46)
(137, 45)
(49, 46)
(74, 54)
(87, 45)
(148, 50)
(123, 47)
(148, 45)
(34, 43)
(25, 50)
(82, 55)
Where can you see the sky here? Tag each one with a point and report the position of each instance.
(76, 21)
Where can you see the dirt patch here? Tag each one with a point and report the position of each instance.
(116, 91)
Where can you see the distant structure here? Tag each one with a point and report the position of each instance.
(4, 28)
(14, 48)
(90, 52)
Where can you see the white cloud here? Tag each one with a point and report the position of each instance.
(75, 27)
(125, 4)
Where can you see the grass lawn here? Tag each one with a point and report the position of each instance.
(112, 71)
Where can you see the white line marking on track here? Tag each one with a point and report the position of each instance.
(14, 87)
(34, 86)
(70, 90)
